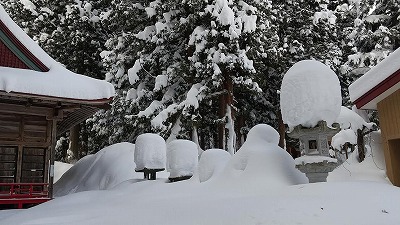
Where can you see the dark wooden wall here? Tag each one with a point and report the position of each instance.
(25, 142)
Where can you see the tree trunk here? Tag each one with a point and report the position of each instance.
(360, 145)
(281, 130)
(221, 125)
(239, 125)
(345, 147)
(226, 100)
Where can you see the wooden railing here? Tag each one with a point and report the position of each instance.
(23, 193)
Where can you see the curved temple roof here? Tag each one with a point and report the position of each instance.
(56, 82)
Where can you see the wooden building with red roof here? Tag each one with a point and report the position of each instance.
(39, 100)
(379, 89)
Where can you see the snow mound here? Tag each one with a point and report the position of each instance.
(150, 152)
(59, 169)
(263, 132)
(101, 171)
(182, 158)
(261, 163)
(310, 92)
(212, 163)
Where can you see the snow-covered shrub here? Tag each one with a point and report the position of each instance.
(344, 136)
(150, 152)
(211, 163)
(351, 125)
(182, 158)
(349, 119)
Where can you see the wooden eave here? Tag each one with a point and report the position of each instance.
(99, 103)
(67, 112)
(19, 49)
(378, 91)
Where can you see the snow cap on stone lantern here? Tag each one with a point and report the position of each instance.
(150, 152)
(310, 93)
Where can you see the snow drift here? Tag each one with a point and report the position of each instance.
(103, 170)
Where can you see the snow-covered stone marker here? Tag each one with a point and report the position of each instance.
(182, 160)
(310, 103)
(150, 155)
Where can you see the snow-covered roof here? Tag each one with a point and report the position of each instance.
(58, 82)
(378, 83)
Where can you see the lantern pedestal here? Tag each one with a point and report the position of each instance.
(316, 171)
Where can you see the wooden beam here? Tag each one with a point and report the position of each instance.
(99, 103)
(30, 144)
(21, 109)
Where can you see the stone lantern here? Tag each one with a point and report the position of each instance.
(314, 146)
(311, 100)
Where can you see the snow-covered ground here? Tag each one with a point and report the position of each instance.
(244, 191)
(371, 169)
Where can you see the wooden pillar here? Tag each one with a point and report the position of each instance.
(18, 174)
(20, 152)
(52, 153)
(74, 141)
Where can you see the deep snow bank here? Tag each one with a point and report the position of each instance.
(103, 170)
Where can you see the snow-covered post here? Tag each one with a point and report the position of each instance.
(150, 155)
(310, 104)
(182, 158)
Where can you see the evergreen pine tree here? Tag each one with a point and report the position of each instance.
(194, 62)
